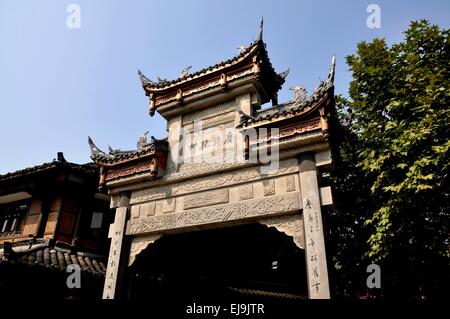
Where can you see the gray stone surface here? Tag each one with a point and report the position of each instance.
(316, 263)
(215, 197)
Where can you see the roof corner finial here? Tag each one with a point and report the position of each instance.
(260, 34)
(284, 74)
(144, 80)
(95, 151)
(332, 70)
(60, 157)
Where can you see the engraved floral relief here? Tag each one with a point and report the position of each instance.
(271, 205)
(290, 183)
(140, 243)
(211, 182)
(215, 111)
(269, 187)
(291, 225)
(245, 192)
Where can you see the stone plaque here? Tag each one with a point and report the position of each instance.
(290, 183)
(245, 192)
(269, 187)
(148, 209)
(219, 196)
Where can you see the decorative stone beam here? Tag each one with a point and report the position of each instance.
(138, 244)
(291, 225)
(227, 213)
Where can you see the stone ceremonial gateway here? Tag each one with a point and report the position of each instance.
(164, 187)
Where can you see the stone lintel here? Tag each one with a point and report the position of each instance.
(219, 214)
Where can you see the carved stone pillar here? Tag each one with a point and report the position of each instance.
(116, 233)
(316, 263)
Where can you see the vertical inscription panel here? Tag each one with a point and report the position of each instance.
(116, 234)
(318, 286)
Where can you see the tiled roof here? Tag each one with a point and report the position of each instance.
(245, 52)
(55, 257)
(115, 156)
(89, 168)
(146, 83)
(295, 106)
(266, 293)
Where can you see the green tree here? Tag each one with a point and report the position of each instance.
(392, 177)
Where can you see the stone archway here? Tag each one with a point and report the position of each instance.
(223, 264)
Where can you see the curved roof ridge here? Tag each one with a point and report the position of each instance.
(166, 84)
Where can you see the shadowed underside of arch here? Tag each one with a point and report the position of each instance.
(228, 264)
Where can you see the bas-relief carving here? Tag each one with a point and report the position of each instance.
(290, 183)
(267, 206)
(135, 211)
(269, 187)
(291, 151)
(140, 243)
(210, 182)
(148, 209)
(215, 111)
(245, 192)
(225, 120)
(194, 169)
(291, 225)
(215, 197)
(151, 194)
(165, 206)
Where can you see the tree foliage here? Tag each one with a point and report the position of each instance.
(392, 176)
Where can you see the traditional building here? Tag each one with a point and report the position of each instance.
(52, 216)
(230, 203)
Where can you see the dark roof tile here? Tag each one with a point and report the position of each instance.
(164, 84)
(57, 257)
(85, 168)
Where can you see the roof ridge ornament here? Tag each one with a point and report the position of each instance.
(185, 72)
(145, 80)
(260, 34)
(299, 93)
(161, 80)
(142, 142)
(117, 151)
(243, 118)
(242, 48)
(330, 79)
(95, 151)
(284, 74)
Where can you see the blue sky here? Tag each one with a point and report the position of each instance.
(59, 85)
